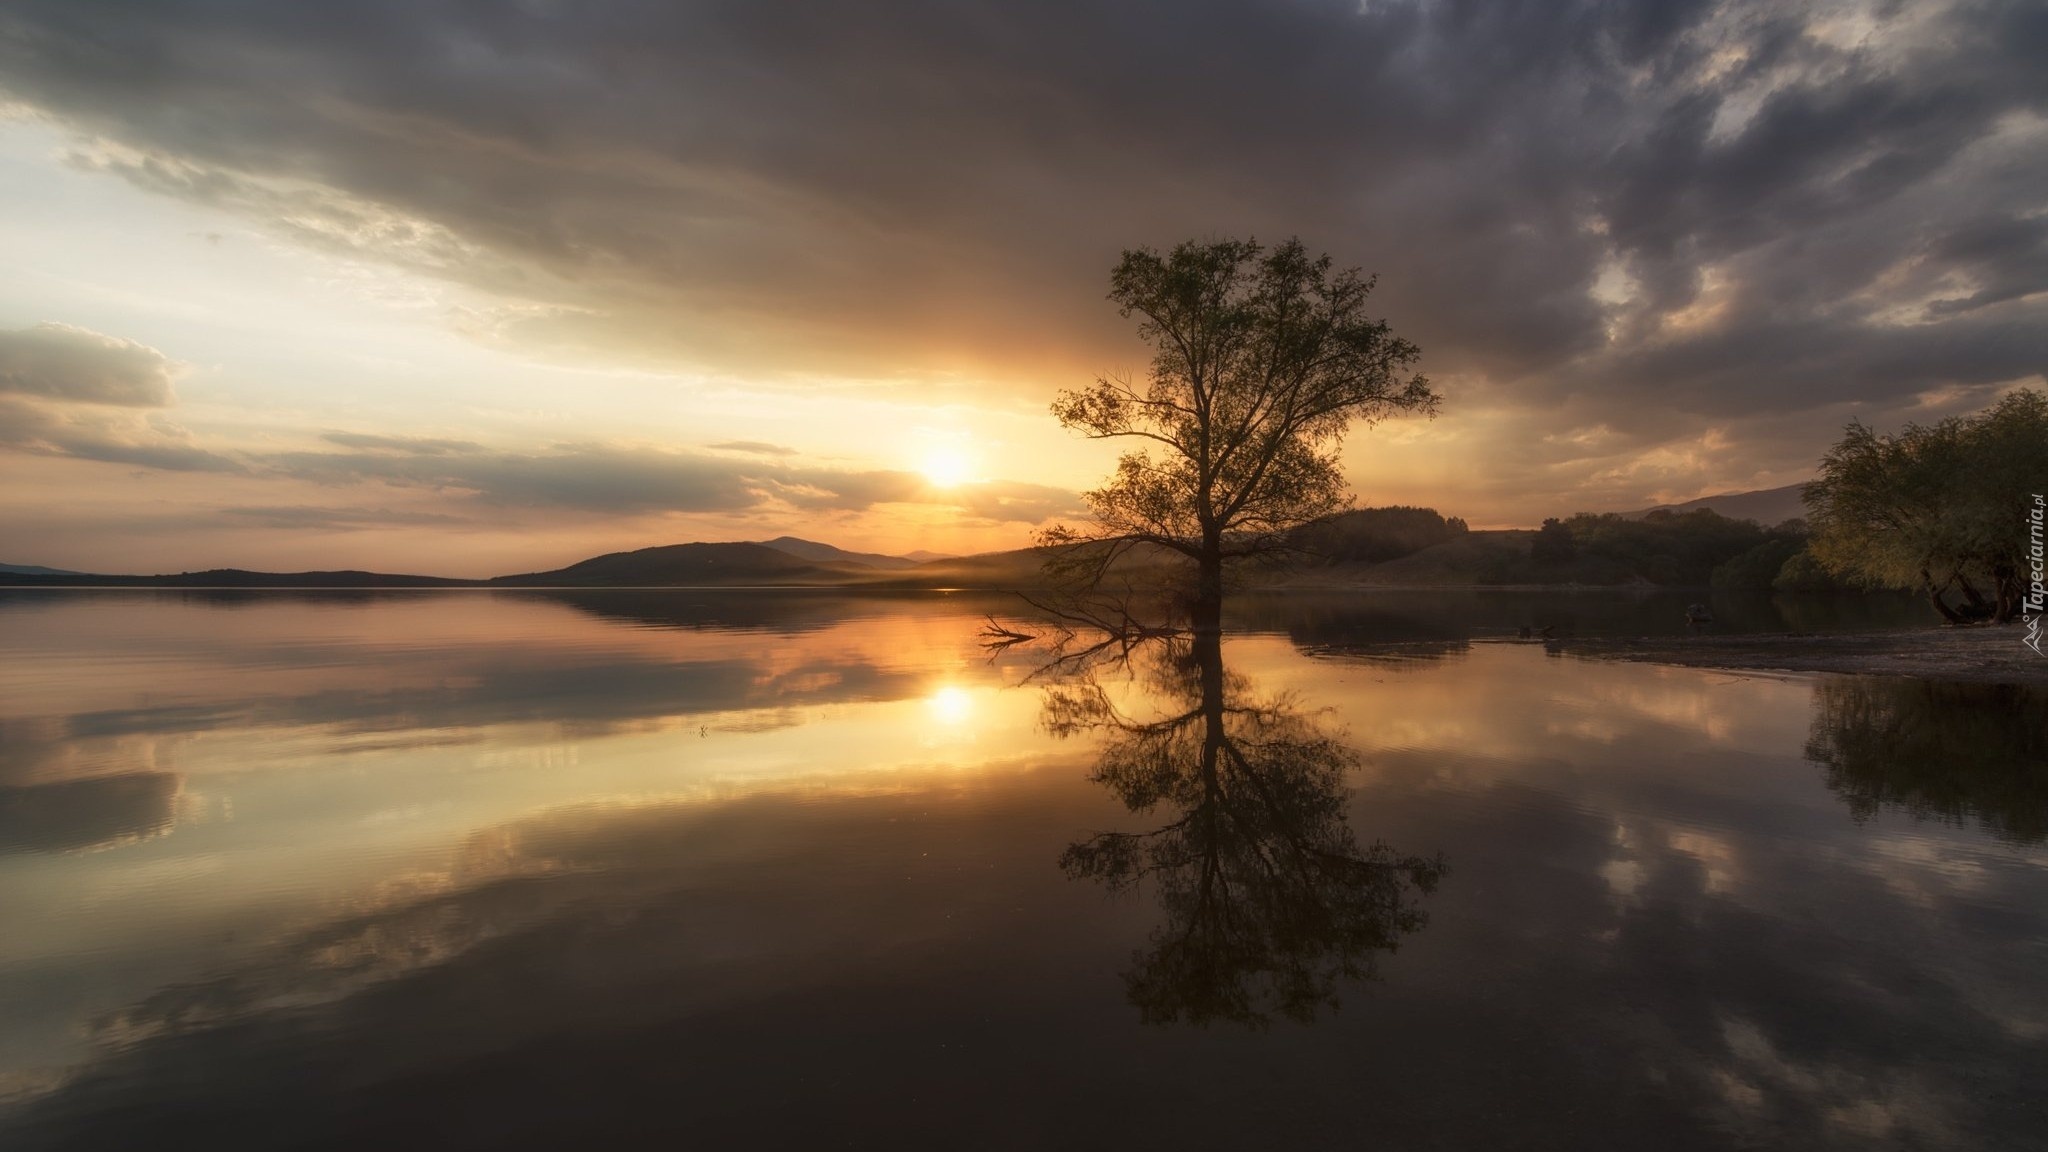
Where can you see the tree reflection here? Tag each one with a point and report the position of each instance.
(1269, 899)
(1939, 750)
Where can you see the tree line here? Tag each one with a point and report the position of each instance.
(1264, 357)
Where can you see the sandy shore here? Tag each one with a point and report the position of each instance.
(1985, 654)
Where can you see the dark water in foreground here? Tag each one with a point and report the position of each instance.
(687, 869)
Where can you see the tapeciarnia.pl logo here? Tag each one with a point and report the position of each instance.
(2036, 594)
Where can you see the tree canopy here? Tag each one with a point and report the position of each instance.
(1376, 535)
(1939, 507)
(1262, 359)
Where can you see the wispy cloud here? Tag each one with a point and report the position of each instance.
(313, 517)
(753, 448)
(407, 445)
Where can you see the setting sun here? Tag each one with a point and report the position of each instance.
(947, 467)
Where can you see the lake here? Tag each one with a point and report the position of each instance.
(720, 869)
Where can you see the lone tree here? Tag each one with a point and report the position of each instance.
(1262, 360)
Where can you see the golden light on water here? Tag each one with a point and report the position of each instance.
(950, 705)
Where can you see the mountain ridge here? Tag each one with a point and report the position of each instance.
(819, 552)
(698, 563)
(792, 561)
(1767, 506)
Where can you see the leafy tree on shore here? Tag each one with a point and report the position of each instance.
(1759, 568)
(1939, 508)
(1554, 543)
(1376, 535)
(1802, 573)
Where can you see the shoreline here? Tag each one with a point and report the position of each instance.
(1981, 654)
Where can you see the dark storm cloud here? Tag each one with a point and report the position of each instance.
(1687, 207)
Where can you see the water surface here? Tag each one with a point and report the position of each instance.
(532, 870)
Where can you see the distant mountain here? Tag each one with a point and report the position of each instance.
(786, 561)
(238, 578)
(826, 554)
(922, 556)
(1768, 506)
(36, 570)
(693, 564)
(1019, 568)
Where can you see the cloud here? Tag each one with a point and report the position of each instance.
(753, 448)
(77, 365)
(624, 480)
(583, 477)
(69, 391)
(1010, 501)
(409, 445)
(306, 516)
(91, 432)
(75, 393)
(1726, 210)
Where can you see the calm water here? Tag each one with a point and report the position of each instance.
(690, 869)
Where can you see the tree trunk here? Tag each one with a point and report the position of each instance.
(1934, 597)
(1970, 592)
(2007, 592)
(1207, 613)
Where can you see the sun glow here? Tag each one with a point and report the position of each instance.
(947, 467)
(950, 705)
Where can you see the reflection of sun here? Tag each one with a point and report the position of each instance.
(950, 705)
(946, 467)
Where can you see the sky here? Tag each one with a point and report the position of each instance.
(474, 288)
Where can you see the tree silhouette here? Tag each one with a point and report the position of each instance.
(1262, 359)
(1269, 899)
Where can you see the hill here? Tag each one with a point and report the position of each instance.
(35, 570)
(1018, 568)
(693, 564)
(1767, 506)
(827, 554)
(1384, 547)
